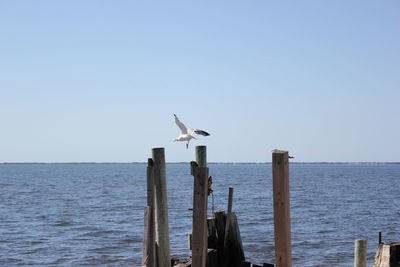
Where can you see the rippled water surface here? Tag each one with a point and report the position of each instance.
(92, 214)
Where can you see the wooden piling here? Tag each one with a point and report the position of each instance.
(201, 156)
(147, 240)
(200, 187)
(220, 222)
(387, 255)
(212, 236)
(190, 237)
(360, 253)
(149, 251)
(161, 208)
(280, 173)
(235, 253)
(150, 182)
(212, 258)
(227, 226)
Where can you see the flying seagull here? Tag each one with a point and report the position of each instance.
(187, 134)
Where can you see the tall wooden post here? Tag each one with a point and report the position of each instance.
(360, 253)
(150, 183)
(201, 156)
(200, 187)
(161, 208)
(227, 226)
(147, 243)
(149, 251)
(280, 174)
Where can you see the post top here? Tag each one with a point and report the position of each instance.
(279, 151)
(201, 156)
(201, 147)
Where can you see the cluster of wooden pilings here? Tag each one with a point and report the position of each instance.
(215, 241)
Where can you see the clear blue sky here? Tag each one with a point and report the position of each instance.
(100, 80)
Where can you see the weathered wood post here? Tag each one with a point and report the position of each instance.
(280, 174)
(220, 221)
(146, 239)
(200, 187)
(360, 253)
(212, 237)
(235, 246)
(161, 208)
(387, 255)
(149, 250)
(227, 226)
(201, 156)
(150, 183)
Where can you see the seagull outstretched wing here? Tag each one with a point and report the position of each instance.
(181, 125)
(197, 131)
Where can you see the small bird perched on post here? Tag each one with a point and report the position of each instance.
(187, 133)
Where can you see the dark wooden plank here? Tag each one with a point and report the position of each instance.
(395, 254)
(151, 232)
(227, 227)
(212, 233)
(235, 253)
(212, 258)
(220, 221)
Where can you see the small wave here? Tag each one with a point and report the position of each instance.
(33, 251)
(60, 260)
(62, 223)
(102, 233)
(326, 231)
(106, 249)
(36, 242)
(41, 217)
(8, 261)
(129, 240)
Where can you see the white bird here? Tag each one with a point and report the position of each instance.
(187, 134)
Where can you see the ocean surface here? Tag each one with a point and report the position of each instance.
(92, 214)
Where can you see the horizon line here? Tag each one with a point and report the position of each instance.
(212, 162)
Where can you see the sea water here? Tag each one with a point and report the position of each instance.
(92, 214)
